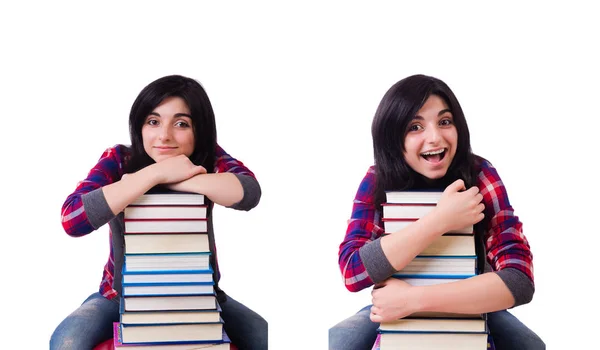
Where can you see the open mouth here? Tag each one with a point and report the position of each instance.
(434, 156)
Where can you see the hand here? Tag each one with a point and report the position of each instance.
(459, 207)
(176, 169)
(392, 299)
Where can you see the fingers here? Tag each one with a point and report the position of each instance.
(374, 316)
(199, 169)
(456, 186)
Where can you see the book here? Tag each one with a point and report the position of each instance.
(192, 276)
(165, 225)
(413, 197)
(158, 196)
(166, 243)
(170, 316)
(406, 211)
(451, 245)
(165, 212)
(395, 225)
(155, 289)
(160, 303)
(451, 267)
(176, 332)
(427, 281)
(223, 344)
(167, 262)
(459, 325)
(432, 341)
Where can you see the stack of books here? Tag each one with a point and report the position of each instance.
(451, 257)
(168, 299)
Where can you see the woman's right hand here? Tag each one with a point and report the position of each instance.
(458, 207)
(176, 169)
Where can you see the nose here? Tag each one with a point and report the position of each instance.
(433, 134)
(165, 132)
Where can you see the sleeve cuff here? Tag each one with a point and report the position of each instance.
(377, 265)
(252, 193)
(96, 208)
(521, 287)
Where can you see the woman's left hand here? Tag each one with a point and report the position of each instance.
(393, 299)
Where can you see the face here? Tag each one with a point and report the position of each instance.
(431, 140)
(168, 130)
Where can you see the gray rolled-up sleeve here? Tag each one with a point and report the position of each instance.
(96, 208)
(252, 193)
(377, 265)
(521, 287)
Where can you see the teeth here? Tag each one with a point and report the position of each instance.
(433, 152)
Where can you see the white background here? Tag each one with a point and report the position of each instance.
(294, 88)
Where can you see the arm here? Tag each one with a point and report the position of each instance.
(511, 283)
(361, 259)
(85, 210)
(507, 251)
(388, 254)
(105, 192)
(232, 185)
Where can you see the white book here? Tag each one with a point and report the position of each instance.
(164, 226)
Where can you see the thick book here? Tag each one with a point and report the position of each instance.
(223, 344)
(161, 196)
(169, 333)
(164, 289)
(167, 317)
(154, 243)
(163, 303)
(433, 341)
(444, 265)
(156, 263)
(137, 226)
(165, 212)
(406, 211)
(390, 344)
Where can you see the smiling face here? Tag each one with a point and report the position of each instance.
(431, 139)
(168, 130)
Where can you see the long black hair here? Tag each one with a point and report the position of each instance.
(202, 115)
(398, 107)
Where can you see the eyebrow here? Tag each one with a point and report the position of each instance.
(440, 113)
(177, 115)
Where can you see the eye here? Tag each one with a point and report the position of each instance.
(152, 122)
(415, 127)
(446, 122)
(182, 124)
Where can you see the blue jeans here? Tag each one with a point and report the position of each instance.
(91, 324)
(358, 332)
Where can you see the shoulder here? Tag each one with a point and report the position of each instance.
(370, 176)
(366, 187)
(117, 152)
(487, 173)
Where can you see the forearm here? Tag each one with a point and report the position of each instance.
(222, 188)
(120, 194)
(480, 294)
(401, 247)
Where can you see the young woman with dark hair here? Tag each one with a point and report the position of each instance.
(173, 144)
(421, 141)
